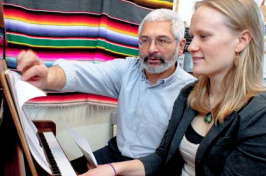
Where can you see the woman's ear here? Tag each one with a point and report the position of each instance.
(243, 40)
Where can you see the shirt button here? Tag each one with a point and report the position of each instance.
(139, 109)
(127, 145)
(135, 128)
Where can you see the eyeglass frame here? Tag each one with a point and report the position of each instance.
(168, 42)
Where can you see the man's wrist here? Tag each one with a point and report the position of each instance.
(56, 78)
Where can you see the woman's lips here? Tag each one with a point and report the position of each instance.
(197, 59)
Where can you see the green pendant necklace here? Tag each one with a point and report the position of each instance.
(208, 118)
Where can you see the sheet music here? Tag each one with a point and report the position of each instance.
(82, 144)
(22, 92)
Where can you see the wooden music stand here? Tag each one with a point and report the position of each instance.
(15, 118)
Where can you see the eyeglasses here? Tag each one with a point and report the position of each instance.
(159, 42)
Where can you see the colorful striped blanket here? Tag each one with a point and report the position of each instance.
(84, 30)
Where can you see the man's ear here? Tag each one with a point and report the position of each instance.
(243, 40)
(182, 44)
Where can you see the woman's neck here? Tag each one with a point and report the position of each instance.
(216, 93)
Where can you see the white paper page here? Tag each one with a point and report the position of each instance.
(82, 144)
(22, 92)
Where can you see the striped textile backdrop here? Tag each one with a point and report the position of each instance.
(84, 30)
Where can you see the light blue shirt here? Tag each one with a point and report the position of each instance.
(143, 110)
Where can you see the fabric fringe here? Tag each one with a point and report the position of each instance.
(75, 113)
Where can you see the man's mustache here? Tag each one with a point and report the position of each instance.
(156, 57)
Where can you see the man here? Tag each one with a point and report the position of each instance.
(145, 87)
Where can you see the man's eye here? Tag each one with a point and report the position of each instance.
(144, 41)
(162, 41)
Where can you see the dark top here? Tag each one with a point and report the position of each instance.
(192, 136)
(236, 147)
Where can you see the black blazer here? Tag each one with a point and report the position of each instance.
(236, 147)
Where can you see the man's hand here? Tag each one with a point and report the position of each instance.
(36, 73)
(32, 68)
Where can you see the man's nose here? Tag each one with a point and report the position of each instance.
(153, 47)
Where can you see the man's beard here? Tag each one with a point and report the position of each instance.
(165, 63)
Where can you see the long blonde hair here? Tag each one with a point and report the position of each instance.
(245, 80)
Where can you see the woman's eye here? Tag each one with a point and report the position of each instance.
(203, 36)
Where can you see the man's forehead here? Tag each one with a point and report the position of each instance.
(156, 29)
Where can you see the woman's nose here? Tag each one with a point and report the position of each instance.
(193, 46)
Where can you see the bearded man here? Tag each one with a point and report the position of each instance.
(146, 87)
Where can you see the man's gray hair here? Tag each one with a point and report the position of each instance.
(177, 23)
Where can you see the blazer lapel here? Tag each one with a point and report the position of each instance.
(211, 135)
(189, 114)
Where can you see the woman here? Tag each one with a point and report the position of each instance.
(218, 124)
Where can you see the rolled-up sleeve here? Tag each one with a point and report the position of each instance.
(70, 73)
